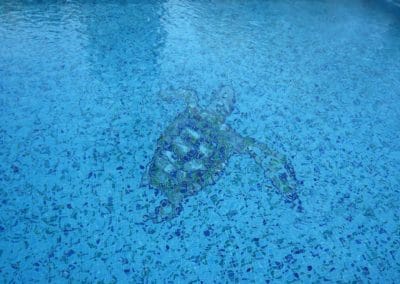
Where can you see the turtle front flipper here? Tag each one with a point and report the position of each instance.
(171, 95)
(276, 167)
(165, 211)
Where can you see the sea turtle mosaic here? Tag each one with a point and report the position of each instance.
(194, 149)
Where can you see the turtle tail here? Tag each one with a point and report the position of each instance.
(165, 211)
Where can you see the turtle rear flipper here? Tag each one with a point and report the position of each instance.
(165, 211)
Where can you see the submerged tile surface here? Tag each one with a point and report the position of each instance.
(86, 89)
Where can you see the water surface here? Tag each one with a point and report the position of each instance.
(82, 103)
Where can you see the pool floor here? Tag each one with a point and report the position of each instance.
(88, 87)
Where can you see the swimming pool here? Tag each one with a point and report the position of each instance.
(88, 87)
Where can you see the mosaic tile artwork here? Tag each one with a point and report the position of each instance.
(194, 150)
(289, 174)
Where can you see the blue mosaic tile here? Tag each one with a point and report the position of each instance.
(87, 88)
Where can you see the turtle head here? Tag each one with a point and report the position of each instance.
(223, 101)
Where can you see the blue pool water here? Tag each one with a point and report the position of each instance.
(87, 88)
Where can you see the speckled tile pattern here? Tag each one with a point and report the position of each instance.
(85, 91)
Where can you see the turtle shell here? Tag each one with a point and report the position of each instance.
(190, 154)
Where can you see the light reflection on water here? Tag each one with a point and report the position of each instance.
(86, 88)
